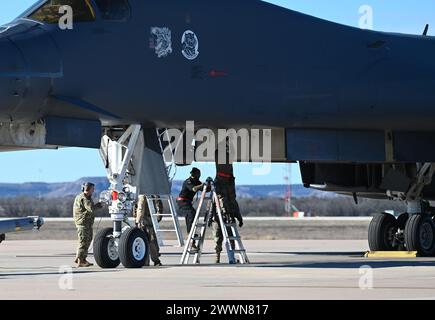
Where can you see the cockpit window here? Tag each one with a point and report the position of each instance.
(49, 12)
(118, 10)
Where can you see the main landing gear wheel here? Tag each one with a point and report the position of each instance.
(134, 249)
(420, 235)
(382, 233)
(105, 249)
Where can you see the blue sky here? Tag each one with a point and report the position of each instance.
(404, 16)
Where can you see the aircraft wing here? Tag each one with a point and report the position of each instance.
(19, 224)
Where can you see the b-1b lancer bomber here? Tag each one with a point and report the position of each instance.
(355, 108)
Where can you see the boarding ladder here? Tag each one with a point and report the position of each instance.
(197, 234)
(152, 201)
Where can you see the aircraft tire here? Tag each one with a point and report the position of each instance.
(420, 235)
(134, 249)
(105, 252)
(381, 232)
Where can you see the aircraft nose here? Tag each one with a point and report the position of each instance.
(12, 67)
(29, 61)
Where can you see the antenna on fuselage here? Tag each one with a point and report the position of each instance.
(426, 29)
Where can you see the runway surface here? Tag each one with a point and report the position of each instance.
(294, 269)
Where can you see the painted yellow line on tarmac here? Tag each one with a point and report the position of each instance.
(391, 254)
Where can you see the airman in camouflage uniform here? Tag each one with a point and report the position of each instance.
(143, 221)
(225, 187)
(217, 231)
(84, 216)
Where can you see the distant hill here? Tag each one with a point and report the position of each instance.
(49, 190)
(58, 190)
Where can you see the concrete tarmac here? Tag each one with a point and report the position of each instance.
(281, 269)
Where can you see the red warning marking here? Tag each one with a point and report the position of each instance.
(216, 73)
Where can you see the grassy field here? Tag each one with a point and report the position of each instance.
(340, 229)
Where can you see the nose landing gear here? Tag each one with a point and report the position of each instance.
(128, 245)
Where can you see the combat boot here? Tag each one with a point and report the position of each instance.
(82, 263)
(194, 246)
(88, 263)
(218, 257)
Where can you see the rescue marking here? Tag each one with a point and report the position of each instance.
(190, 44)
(161, 41)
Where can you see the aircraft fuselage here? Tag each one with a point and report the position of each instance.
(256, 65)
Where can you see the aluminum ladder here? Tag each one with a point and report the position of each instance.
(199, 228)
(151, 199)
(231, 235)
(229, 230)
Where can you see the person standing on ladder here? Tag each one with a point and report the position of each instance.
(226, 191)
(185, 200)
(143, 221)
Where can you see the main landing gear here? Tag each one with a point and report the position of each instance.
(386, 233)
(411, 231)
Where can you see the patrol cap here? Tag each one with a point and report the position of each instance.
(195, 171)
(87, 186)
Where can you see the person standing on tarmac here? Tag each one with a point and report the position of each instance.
(143, 221)
(185, 200)
(84, 217)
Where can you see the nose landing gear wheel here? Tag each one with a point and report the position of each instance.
(105, 249)
(134, 249)
(420, 235)
(382, 233)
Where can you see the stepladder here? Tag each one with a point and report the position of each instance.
(209, 208)
(161, 206)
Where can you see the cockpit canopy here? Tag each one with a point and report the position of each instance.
(83, 10)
